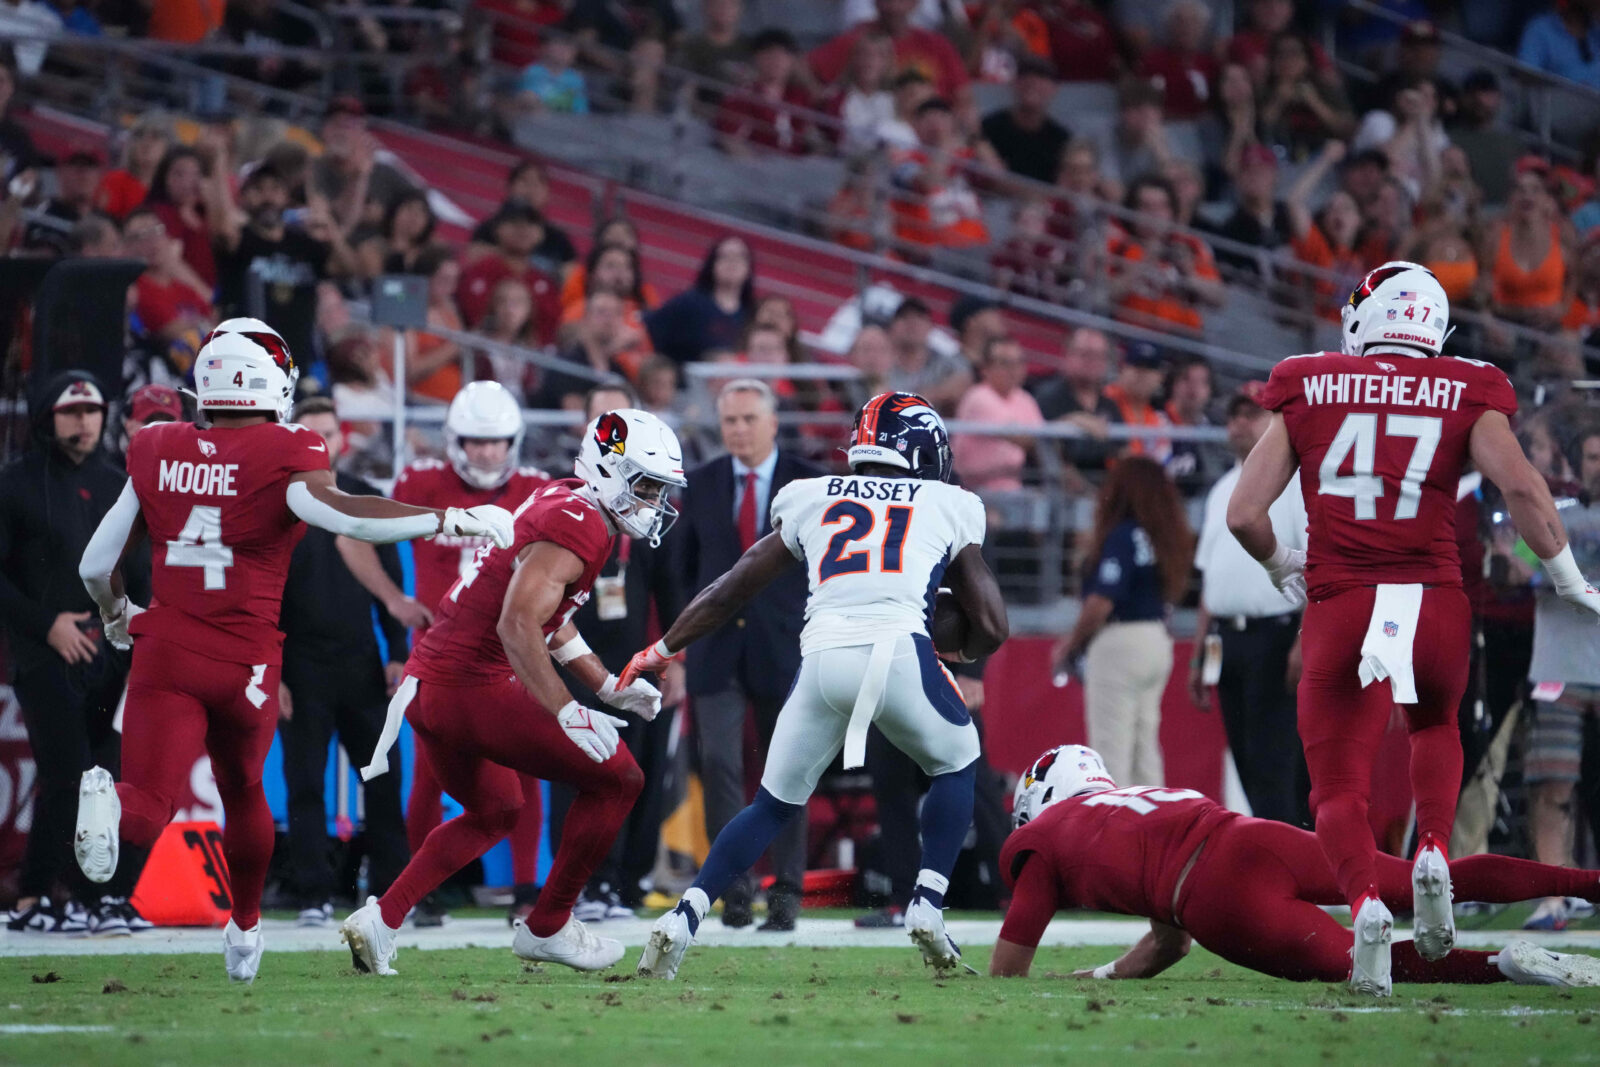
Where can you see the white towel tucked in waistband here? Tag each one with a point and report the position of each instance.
(1386, 650)
(868, 700)
(391, 729)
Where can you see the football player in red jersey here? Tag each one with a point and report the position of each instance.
(483, 437)
(1380, 434)
(1250, 890)
(485, 701)
(223, 506)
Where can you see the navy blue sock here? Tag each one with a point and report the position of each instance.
(744, 839)
(946, 817)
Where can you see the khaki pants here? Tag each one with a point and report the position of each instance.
(1126, 673)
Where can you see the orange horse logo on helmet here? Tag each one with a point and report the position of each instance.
(611, 433)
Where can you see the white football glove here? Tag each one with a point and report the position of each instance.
(593, 731)
(485, 520)
(639, 697)
(1286, 567)
(1569, 582)
(116, 626)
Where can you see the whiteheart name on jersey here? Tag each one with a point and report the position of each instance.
(1400, 389)
(875, 488)
(202, 479)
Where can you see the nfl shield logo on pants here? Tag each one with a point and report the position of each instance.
(1390, 629)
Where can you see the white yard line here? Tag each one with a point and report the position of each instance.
(285, 936)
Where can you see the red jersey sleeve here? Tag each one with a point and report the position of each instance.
(1033, 904)
(1497, 393)
(1282, 385)
(577, 526)
(303, 450)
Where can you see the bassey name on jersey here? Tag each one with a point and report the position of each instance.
(202, 479)
(1397, 389)
(872, 489)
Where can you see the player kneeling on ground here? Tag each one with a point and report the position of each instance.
(1250, 890)
(876, 545)
(480, 727)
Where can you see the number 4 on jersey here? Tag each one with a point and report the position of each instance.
(1358, 435)
(199, 544)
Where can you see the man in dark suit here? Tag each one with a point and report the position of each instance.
(750, 662)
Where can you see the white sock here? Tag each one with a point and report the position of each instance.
(697, 900)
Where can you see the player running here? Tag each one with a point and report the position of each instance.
(866, 655)
(1247, 889)
(1380, 434)
(483, 436)
(486, 704)
(223, 507)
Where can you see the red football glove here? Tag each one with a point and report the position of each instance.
(652, 660)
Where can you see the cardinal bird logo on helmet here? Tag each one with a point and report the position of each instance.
(611, 434)
(275, 346)
(1042, 765)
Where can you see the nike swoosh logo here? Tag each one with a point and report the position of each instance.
(578, 515)
(320, 447)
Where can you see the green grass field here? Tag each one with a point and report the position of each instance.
(759, 1006)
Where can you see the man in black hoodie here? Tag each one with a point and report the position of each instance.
(67, 677)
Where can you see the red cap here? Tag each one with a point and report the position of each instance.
(151, 401)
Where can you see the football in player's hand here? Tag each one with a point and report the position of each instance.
(950, 626)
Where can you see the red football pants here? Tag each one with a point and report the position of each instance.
(425, 807)
(1253, 895)
(479, 739)
(1342, 723)
(181, 704)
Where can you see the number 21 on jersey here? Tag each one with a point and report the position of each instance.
(856, 522)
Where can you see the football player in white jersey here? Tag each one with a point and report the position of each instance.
(877, 545)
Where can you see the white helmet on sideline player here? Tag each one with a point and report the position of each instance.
(483, 411)
(244, 366)
(629, 459)
(1398, 305)
(1066, 771)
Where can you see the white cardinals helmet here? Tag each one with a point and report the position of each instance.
(1067, 771)
(483, 411)
(1398, 305)
(630, 459)
(244, 366)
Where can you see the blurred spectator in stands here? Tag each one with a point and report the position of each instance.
(615, 272)
(1363, 175)
(1133, 393)
(658, 386)
(433, 363)
(357, 186)
(148, 405)
(517, 230)
(1159, 278)
(1031, 262)
(1298, 111)
(1194, 465)
(1328, 239)
(861, 100)
(94, 237)
(1565, 42)
(760, 114)
(852, 212)
(1024, 135)
(1075, 393)
(1442, 241)
(1480, 132)
(1385, 222)
(1583, 311)
(1137, 143)
(368, 250)
(448, 89)
(125, 187)
(177, 198)
(528, 184)
(77, 178)
(1075, 217)
(601, 340)
(872, 353)
(551, 84)
(1230, 126)
(1083, 45)
(934, 205)
(915, 49)
(628, 39)
(777, 312)
(1188, 188)
(171, 303)
(185, 21)
(985, 461)
(1409, 132)
(1136, 569)
(362, 388)
(268, 266)
(1184, 67)
(407, 232)
(1252, 46)
(719, 52)
(509, 319)
(1421, 50)
(28, 18)
(918, 366)
(517, 27)
(911, 90)
(17, 153)
(712, 313)
(976, 321)
(617, 230)
(1260, 219)
(1526, 253)
(265, 29)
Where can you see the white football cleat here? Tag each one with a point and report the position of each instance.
(925, 925)
(1374, 932)
(371, 941)
(571, 946)
(96, 843)
(663, 953)
(1527, 964)
(1434, 926)
(241, 951)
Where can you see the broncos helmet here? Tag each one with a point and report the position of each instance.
(901, 430)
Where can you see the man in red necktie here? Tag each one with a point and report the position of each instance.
(749, 663)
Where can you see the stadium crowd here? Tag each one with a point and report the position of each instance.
(1231, 156)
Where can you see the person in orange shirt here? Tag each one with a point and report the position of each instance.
(1583, 312)
(1133, 394)
(433, 363)
(1160, 278)
(614, 269)
(1526, 253)
(934, 203)
(613, 231)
